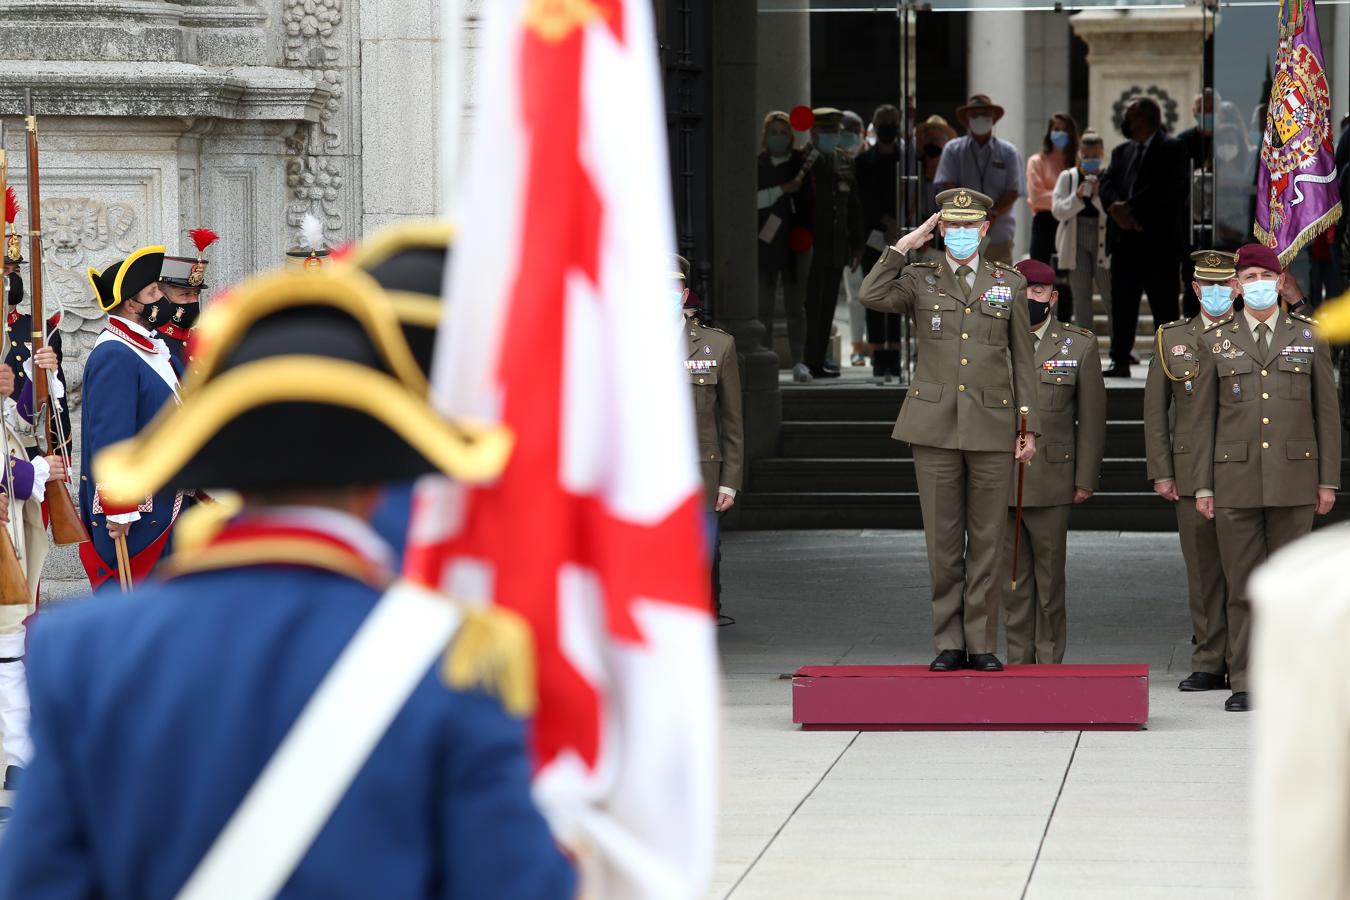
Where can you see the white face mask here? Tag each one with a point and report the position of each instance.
(981, 125)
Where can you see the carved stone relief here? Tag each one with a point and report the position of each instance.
(315, 169)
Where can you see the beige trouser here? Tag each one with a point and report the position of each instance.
(1033, 611)
(964, 499)
(1204, 578)
(1247, 536)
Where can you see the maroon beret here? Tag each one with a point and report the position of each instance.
(1036, 272)
(691, 300)
(1259, 255)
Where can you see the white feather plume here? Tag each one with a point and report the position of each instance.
(311, 232)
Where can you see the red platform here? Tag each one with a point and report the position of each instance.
(1021, 698)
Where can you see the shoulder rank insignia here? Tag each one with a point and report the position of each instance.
(1218, 324)
(1303, 318)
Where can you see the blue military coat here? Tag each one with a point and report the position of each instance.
(128, 377)
(393, 515)
(153, 716)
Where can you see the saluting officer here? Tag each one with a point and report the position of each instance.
(976, 367)
(716, 383)
(1269, 443)
(1170, 430)
(1071, 397)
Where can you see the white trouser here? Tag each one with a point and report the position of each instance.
(14, 688)
(851, 285)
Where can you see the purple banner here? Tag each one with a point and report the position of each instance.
(1296, 192)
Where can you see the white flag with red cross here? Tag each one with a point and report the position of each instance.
(560, 326)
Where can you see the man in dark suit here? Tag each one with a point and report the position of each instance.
(1144, 191)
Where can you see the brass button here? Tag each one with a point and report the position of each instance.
(1297, 369)
(1265, 445)
(960, 387)
(935, 306)
(700, 381)
(967, 310)
(916, 392)
(1066, 456)
(1225, 456)
(1005, 402)
(964, 361)
(998, 315)
(1265, 421)
(1264, 373)
(1307, 454)
(964, 336)
(1059, 380)
(1265, 396)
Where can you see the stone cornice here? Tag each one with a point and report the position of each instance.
(159, 89)
(150, 12)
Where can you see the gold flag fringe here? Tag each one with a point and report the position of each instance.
(1305, 237)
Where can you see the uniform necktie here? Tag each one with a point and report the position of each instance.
(962, 281)
(1263, 335)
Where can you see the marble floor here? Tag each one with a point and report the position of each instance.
(1158, 813)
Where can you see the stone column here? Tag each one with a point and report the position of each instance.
(735, 252)
(783, 40)
(1155, 52)
(996, 65)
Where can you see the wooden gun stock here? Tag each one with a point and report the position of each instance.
(66, 525)
(13, 581)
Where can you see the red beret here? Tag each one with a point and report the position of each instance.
(1036, 272)
(691, 300)
(1258, 255)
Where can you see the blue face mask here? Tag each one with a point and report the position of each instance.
(1091, 166)
(1260, 295)
(778, 144)
(1060, 139)
(1217, 299)
(826, 143)
(848, 140)
(962, 242)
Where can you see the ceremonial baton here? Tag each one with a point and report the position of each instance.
(1021, 479)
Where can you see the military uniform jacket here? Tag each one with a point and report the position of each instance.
(1270, 429)
(1170, 411)
(1071, 399)
(716, 382)
(976, 363)
(837, 230)
(20, 327)
(186, 689)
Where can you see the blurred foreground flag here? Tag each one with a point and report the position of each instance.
(564, 330)
(1297, 197)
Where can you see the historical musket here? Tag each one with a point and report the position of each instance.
(13, 581)
(1021, 478)
(66, 525)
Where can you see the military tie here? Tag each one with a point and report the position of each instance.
(1263, 337)
(962, 281)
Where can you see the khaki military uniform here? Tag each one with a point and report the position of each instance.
(716, 382)
(1170, 428)
(1270, 435)
(976, 366)
(1071, 399)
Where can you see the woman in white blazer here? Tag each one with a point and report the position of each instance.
(1080, 239)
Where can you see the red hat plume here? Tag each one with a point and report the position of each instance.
(11, 204)
(203, 238)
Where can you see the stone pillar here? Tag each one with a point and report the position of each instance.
(735, 253)
(996, 65)
(783, 40)
(1155, 52)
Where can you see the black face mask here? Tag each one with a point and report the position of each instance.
(185, 314)
(886, 134)
(165, 312)
(1039, 310)
(1125, 128)
(15, 290)
(932, 151)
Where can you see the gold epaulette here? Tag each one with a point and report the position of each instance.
(493, 651)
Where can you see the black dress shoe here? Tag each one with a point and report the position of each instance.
(824, 373)
(1237, 703)
(985, 662)
(1201, 681)
(948, 661)
(1117, 371)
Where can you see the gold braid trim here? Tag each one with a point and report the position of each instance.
(1162, 359)
(493, 650)
(1305, 237)
(279, 552)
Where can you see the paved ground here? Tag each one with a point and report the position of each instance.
(1153, 814)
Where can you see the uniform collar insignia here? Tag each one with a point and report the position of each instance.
(174, 331)
(123, 329)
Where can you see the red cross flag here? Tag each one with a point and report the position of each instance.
(563, 329)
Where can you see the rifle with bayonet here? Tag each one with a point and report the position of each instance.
(66, 525)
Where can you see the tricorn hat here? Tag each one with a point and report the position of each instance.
(186, 271)
(123, 280)
(408, 260)
(979, 101)
(300, 359)
(13, 243)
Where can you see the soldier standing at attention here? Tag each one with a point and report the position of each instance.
(1072, 401)
(976, 367)
(1170, 430)
(837, 237)
(182, 280)
(1269, 442)
(716, 382)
